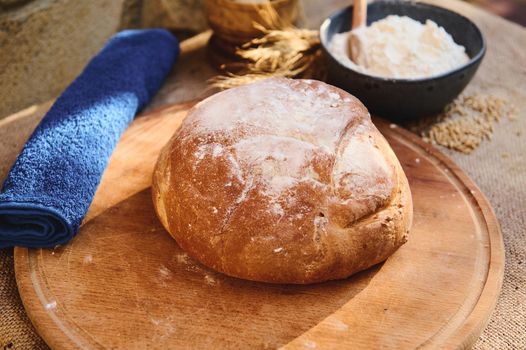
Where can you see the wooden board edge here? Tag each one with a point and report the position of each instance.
(29, 296)
(466, 336)
(26, 284)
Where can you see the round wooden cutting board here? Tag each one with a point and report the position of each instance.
(123, 283)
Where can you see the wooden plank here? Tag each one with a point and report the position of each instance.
(124, 283)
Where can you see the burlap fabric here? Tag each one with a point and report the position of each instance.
(498, 167)
(16, 331)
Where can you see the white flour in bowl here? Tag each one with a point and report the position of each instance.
(399, 47)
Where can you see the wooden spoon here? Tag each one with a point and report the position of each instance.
(359, 19)
(359, 14)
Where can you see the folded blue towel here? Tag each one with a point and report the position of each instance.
(50, 188)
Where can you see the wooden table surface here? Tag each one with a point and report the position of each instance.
(501, 178)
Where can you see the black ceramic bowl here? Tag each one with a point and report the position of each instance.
(402, 99)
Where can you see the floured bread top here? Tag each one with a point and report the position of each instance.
(278, 133)
(268, 164)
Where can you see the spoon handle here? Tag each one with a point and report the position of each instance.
(359, 13)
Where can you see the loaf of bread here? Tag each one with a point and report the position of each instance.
(282, 181)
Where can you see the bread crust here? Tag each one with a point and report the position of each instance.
(282, 181)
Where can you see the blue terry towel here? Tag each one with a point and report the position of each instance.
(50, 188)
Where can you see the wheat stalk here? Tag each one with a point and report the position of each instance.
(282, 51)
